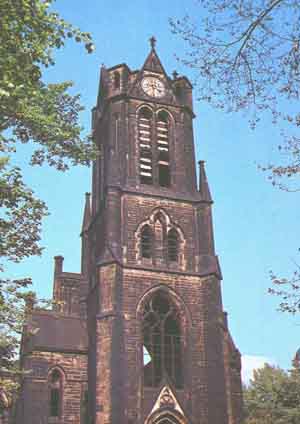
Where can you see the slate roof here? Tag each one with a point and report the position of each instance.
(56, 333)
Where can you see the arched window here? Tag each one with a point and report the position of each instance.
(173, 245)
(146, 242)
(55, 393)
(145, 146)
(117, 80)
(162, 133)
(161, 341)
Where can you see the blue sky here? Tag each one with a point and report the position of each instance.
(256, 225)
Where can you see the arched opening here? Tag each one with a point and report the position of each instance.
(166, 418)
(146, 242)
(145, 146)
(173, 245)
(117, 80)
(55, 393)
(162, 350)
(164, 177)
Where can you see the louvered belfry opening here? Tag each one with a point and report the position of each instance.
(162, 134)
(161, 342)
(55, 394)
(146, 242)
(145, 146)
(173, 245)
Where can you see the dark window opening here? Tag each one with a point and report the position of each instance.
(146, 242)
(161, 342)
(164, 175)
(117, 80)
(55, 395)
(54, 403)
(84, 408)
(172, 246)
(146, 179)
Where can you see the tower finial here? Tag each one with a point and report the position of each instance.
(152, 41)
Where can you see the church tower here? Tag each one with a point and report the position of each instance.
(159, 349)
(139, 336)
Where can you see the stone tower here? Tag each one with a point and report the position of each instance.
(159, 347)
(139, 336)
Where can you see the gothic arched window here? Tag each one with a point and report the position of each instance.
(146, 242)
(55, 393)
(161, 341)
(145, 146)
(173, 245)
(162, 134)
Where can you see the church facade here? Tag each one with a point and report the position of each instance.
(140, 335)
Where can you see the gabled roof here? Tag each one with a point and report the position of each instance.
(153, 64)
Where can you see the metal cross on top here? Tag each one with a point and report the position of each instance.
(152, 41)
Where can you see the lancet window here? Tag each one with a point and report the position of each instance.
(162, 346)
(145, 145)
(146, 242)
(173, 245)
(55, 393)
(162, 134)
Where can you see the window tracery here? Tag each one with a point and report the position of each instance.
(161, 240)
(161, 341)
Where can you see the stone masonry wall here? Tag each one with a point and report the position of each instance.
(33, 407)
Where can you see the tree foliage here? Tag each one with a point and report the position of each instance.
(246, 56)
(30, 109)
(44, 115)
(288, 289)
(273, 396)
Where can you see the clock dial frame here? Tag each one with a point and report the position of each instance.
(153, 87)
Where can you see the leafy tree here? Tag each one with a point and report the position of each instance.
(246, 56)
(273, 396)
(288, 289)
(34, 112)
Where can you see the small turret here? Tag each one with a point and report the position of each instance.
(87, 213)
(203, 184)
(58, 265)
(84, 235)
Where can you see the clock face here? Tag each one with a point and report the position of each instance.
(154, 87)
